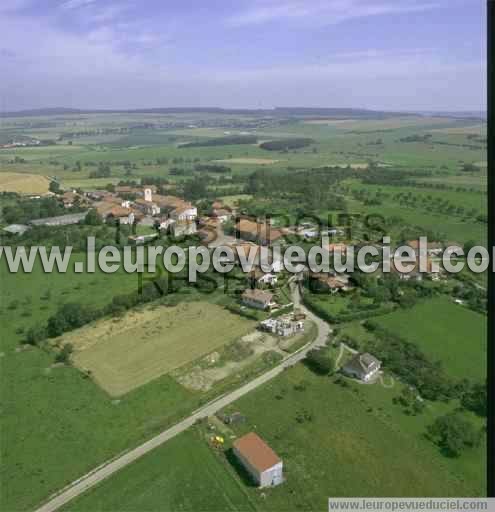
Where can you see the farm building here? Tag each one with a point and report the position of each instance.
(258, 299)
(61, 220)
(363, 367)
(16, 229)
(260, 461)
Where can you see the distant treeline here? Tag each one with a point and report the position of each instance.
(212, 168)
(416, 138)
(286, 144)
(222, 141)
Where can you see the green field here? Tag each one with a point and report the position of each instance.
(445, 331)
(184, 474)
(56, 424)
(357, 444)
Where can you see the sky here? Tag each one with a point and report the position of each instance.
(377, 54)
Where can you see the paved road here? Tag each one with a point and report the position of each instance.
(100, 473)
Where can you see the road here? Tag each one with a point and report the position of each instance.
(107, 469)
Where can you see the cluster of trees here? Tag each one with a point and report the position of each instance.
(216, 168)
(416, 138)
(73, 235)
(410, 401)
(180, 171)
(222, 141)
(474, 397)
(72, 315)
(286, 144)
(195, 189)
(149, 180)
(469, 168)
(454, 433)
(103, 171)
(305, 192)
(473, 296)
(320, 361)
(407, 361)
(410, 199)
(28, 209)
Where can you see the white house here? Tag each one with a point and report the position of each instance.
(184, 213)
(258, 299)
(363, 367)
(259, 460)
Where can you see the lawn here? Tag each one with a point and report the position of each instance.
(183, 474)
(151, 342)
(445, 331)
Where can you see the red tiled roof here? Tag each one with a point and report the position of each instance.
(261, 230)
(253, 449)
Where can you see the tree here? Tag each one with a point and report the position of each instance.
(54, 187)
(64, 355)
(93, 218)
(35, 334)
(469, 245)
(453, 434)
(475, 399)
(320, 361)
(195, 189)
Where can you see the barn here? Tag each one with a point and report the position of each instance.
(259, 460)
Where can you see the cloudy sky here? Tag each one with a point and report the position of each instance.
(382, 54)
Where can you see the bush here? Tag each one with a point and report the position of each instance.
(320, 361)
(475, 399)
(35, 334)
(453, 434)
(64, 355)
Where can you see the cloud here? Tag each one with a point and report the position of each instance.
(326, 12)
(76, 4)
(113, 55)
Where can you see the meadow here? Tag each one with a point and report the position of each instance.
(358, 444)
(444, 331)
(184, 474)
(145, 344)
(57, 424)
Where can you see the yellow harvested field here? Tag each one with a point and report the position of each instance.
(252, 161)
(125, 353)
(23, 183)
